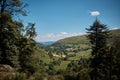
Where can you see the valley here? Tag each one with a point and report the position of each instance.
(72, 49)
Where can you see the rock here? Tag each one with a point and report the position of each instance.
(6, 72)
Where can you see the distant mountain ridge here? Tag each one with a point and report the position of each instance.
(46, 43)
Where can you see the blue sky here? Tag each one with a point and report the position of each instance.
(57, 19)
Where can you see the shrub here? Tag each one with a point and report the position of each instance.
(40, 76)
(19, 76)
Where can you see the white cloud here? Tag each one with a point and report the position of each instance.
(77, 34)
(55, 37)
(94, 13)
(64, 33)
(115, 28)
(51, 35)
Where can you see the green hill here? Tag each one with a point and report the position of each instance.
(83, 39)
(115, 34)
(74, 40)
(77, 44)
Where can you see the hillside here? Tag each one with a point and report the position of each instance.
(83, 39)
(74, 40)
(115, 34)
(76, 44)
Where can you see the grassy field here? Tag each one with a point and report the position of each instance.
(62, 66)
(82, 54)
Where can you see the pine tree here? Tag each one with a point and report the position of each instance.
(98, 34)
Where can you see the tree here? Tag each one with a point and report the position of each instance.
(10, 29)
(27, 47)
(26, 59)
(16, 42)
(30, 31)
(114, 60)
(13, 7)
(98, 34)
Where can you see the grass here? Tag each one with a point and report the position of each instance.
(42, 54)
(83, 54)
(62, 66)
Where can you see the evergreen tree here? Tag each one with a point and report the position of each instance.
(98, 34)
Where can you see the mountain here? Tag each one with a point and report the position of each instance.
(46, 43)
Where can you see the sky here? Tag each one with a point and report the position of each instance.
(58, 19)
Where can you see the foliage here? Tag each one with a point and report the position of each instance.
(19, 76)
(17, 46)
(83, 74)
(9, 28)
(70, 75)
(56, 77)
(40, 75)
(25, 57)
(98, 34)
(115, 60)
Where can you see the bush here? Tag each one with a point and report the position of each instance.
(40, 76)
(19, 76)
(56, 77)
(70, 75)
